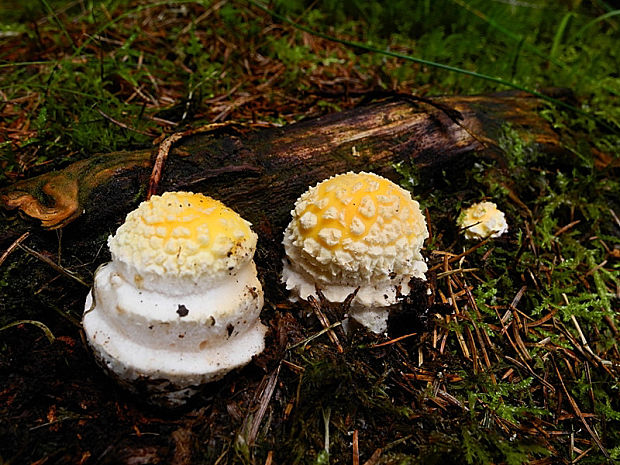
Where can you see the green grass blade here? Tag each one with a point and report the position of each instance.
(45, 329)
(604, 17)
(508, 33)
(24, 63)
(559, 34)
(59, 89)
(58, 21)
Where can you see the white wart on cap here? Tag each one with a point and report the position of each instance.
(355, 230)
(178, 306)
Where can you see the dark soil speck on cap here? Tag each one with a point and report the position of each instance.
(182, 310)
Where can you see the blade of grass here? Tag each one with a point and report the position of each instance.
(38, 324)
(435, 64)
(508, 33)
(54, 265)
(24, 63)
(559, 34)
(608, 15)
(59, 89)
(58, 21)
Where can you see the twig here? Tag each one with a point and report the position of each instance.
(123, 125)
(584, 341)
(523, 365)
(596, 268)
(295, 368)
(392, 341)
(542, 320)
(429, 226)
(316, 307)
(264, 403)
(453, 400)
(356, 448)
(485, 355)
(49, 262)
(374, 458)
(585, 344)
(459, 334)
(164, 150)
(314, 336)
(583, 454)
(516, 326)
(458, 270)
(613, 214)
(577, 411)
(563, 229)
(473, 303)
(158, 166)
(48, 334)
(530, 238)
(461, 255)
(420, 374)
(13, 246)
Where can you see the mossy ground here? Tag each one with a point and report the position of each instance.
(513, 356)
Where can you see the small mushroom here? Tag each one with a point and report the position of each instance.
(178, 306)
(482, 220)
(355, 230)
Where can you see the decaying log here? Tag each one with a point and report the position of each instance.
(260, 173)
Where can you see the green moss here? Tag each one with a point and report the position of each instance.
(97, 81)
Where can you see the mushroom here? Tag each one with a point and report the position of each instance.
(355, 230)
(178, 306)
(482, 220)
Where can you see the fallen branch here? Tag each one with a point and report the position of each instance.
(260, 172)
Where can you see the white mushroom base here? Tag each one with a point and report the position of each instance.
(371, 305)
(167, 346)
(374, 319)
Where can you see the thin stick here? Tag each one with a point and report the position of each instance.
(461, 255)
(577, 410)
(13, 246)
(374, 458)
(584, 341)
(457, 331)
(122, 125)
(356, 448)
(563, 229)
(392, 341)
(158, 166)
(314, 336)
(458, 270)
(49, 262)
(48, 334)
(316, 307)
(164, 150)
(265, 398)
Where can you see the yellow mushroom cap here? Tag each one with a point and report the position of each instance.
(355, 229)
(482, 220)
(182, 235)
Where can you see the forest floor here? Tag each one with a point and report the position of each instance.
(507, 354)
